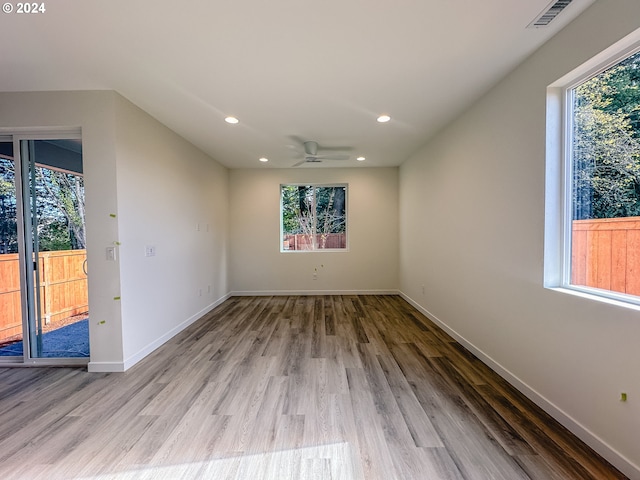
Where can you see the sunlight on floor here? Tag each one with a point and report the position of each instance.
(334, 462)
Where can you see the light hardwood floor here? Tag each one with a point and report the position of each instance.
(288, 388)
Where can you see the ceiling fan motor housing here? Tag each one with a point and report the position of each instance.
(311, 147)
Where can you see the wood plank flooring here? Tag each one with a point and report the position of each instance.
(316, 387)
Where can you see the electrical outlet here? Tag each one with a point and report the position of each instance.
(111, 254)
(150, 251)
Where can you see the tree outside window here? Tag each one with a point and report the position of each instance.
(604, 168)
(313, 217)
(606, 143)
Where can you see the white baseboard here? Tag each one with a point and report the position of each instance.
(105, 367)
(621, 462)
(274, 293)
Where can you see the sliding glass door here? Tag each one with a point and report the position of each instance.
(48, 189)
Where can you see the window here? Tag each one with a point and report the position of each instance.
(313, 217)
(593, 245)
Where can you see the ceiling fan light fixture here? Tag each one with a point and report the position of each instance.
(264, 159)
(231, 120)
(383, 118)
(361, 159)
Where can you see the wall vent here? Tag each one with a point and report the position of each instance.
(549, 13)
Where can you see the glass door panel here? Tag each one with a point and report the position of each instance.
(11, 334)
(53, 192)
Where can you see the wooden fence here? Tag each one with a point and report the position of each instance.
(10, 306)
(606, 254)
(304, 242)
(63, 288)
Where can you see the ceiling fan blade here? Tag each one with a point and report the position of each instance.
(322, 148)
(299, 140)
(333, 157)
(300, 163)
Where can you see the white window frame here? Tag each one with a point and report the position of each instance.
(558, 183)
(346, 217)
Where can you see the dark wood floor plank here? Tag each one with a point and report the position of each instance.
(318, 334)
(339, 387)
(329, 315)
(571, 458)
(508, 437)
(447, 411)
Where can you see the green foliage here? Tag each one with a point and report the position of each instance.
(311, 210)
(59, 209)
(623, 96)
(8, 225)
(330, 210)
(53, 237)
(296, 211)
(606, 143)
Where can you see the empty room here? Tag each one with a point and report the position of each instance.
(336, 240)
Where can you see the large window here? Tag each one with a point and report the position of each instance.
(599, 225)
(313, 217)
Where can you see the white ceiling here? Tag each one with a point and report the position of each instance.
(318, 70)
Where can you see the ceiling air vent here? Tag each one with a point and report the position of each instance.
(549, 13)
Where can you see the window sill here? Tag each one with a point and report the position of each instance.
(603, 296)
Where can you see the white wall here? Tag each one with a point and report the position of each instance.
(472, 231)
(370, 264)
(173, 197)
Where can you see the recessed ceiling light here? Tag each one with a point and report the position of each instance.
(360, 159)
(384, 118)
(264, 159)
(232, 120)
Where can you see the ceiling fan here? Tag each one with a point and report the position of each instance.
(311, 154)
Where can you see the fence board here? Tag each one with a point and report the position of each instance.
(10, 305)
(633, 262)
(619, 261)
(305, 242)
(579, 258)
(592, 258)
(10, 314)
(603, 271)
(606, 254)
(64, 284)
(63, 288)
